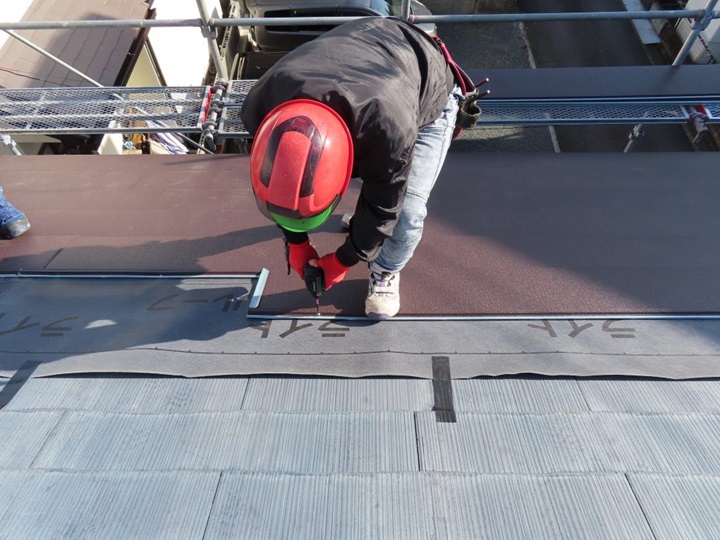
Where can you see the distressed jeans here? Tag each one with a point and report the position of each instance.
(428, 157)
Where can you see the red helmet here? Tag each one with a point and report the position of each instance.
(300, 164)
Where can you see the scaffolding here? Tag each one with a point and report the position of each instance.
(213, 112)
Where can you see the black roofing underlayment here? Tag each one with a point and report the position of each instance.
(520, 234)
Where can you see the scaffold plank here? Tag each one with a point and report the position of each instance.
(103, 110)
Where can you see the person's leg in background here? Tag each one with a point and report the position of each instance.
(13, 222)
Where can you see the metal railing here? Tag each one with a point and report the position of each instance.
(696, 14)
(210, 25)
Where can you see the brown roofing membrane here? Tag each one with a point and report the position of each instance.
(531, 234)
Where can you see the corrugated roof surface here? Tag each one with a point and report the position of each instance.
(119, 457)
(247, 441)
(58, 504)
(23, 436)
(569, 443)
(425, 506)
(679, 506)
(133, 394)
(665, 397)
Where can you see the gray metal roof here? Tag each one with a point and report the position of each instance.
(359, 458)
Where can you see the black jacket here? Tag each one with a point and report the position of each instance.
(386, 81)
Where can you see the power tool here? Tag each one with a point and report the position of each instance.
(315, 283)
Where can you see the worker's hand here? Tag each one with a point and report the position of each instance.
(299, 254)
(334, 270)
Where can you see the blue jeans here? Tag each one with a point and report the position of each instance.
(428, 157)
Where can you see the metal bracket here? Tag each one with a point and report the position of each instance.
(208, 32)
(699, 119)
(8, 141)
(259, 288)
(214, 111)
(634, 135)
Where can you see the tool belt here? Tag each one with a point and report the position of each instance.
(469, 111)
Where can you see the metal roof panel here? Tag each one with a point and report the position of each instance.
(23, 435)
(422, 505)
(542, 507)
(55, 504)
(248, 441)
(518, 395)
(570, 443)
(131, 394)
(679, 506)
(327, 506)
(327, 395)
(641, 396)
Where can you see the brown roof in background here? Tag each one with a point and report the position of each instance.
(99, 53)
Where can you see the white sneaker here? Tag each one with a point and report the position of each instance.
(345, 221)
(383, 299)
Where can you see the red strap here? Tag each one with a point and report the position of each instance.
(462, 78)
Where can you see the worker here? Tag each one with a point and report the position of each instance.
(374, 98)
(13, 222)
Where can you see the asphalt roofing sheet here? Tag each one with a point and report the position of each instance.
(198, 327)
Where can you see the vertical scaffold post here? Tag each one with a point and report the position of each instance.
(699, 25)
(210, 34)
(405, 11)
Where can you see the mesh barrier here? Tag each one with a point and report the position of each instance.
(236, 92)
(585, 112)
(101, 110)
(230, 123)
(713, 110)
(180, 109)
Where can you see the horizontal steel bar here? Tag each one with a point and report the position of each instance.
(310, 21)
(589, 101)
(60, 275)
(498, 318)
(109, 117)
(101, 23)
(533, 122)
(101, 130)
(117, 92)
(566, 16)
(117, 103)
